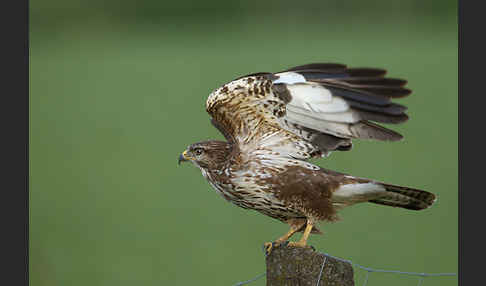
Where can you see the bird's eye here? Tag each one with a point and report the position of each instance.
(198, 151)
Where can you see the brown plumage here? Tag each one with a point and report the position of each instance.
(274, 122)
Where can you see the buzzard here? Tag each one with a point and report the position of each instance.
(274, 123)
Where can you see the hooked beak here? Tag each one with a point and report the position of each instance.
(183, 157)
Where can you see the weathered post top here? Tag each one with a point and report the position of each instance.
(294, 266)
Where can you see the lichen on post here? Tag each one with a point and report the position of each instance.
(295, 266)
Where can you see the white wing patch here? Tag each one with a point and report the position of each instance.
(334, 128)
(314, 103)
(314, 98)
(289, 78)
(301, 116)
(314, 106)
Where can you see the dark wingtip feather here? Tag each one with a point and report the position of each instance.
(366, 72)
(378, 81)
(388, 91)
(319, 67)
(389, 109)
(357, 95)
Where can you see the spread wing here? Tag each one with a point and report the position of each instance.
(308, 110)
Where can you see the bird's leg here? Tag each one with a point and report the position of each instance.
(286, 236)
(293, 229)
(303, 240)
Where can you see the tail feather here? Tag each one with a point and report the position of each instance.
(404, 197)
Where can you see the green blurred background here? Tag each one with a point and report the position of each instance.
(118, 91)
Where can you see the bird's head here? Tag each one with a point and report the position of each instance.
(207, 154)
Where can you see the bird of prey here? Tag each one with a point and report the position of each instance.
(274, 123)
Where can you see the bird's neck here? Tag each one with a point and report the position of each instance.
(212, 174)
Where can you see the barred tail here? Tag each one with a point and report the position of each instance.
(404, 197)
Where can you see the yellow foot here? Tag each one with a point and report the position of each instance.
(268, 246)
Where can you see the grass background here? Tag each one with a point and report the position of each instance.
(117, 91)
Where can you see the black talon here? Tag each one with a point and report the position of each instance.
(313, 248)
(265, 248)
(285, 243)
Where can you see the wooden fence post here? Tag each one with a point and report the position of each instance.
(295, 266)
